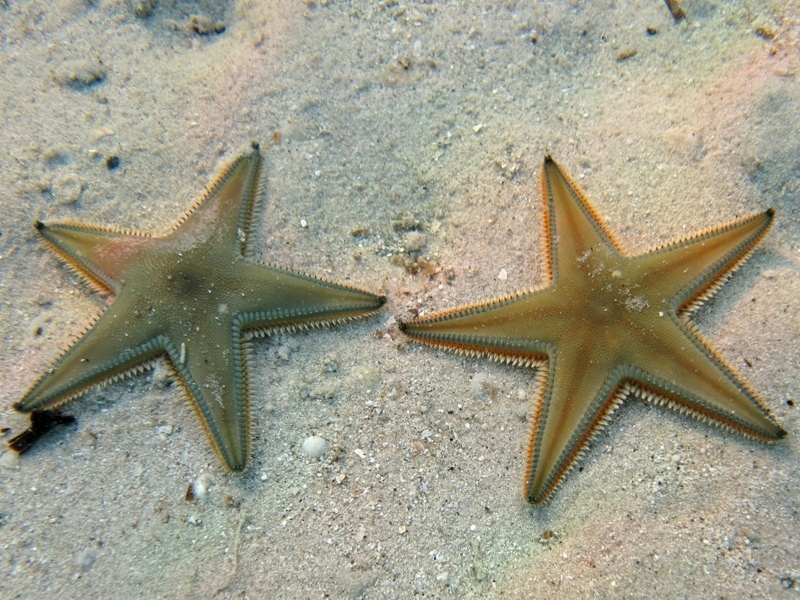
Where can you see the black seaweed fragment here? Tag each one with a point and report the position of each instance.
(42, 421)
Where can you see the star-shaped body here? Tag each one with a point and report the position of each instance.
(606, 326)
(194, 295)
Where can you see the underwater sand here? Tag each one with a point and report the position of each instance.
(389, 126)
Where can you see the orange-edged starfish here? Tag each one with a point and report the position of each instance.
(194, 295)
(609, 325)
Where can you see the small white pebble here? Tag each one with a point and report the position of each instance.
(303, 223)
(414, 241)
(9, 460)
(164, 431)
(360, 453)
(314, 446)
(502, 275)
(482, 386)
(86, 558)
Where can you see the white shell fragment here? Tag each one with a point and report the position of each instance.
(200, 487)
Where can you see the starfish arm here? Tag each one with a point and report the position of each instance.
(272, 298)
(105, 352)
(573, 226)
(580, 393)
(210, 364)
(500, 328)
(675, 366)
(98, 254)
(224, 215)
(691, 270)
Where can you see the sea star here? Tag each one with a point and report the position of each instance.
(195, 295)
(609, 325)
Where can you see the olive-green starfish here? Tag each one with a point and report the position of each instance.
(195, 295)
(609, 325)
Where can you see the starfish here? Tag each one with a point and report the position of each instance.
(609, 326)
(195, 295)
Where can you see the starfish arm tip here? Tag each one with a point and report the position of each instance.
(537, 498)
(236, 468)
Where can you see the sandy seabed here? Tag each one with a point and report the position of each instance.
(403, 144)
